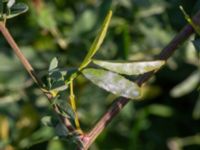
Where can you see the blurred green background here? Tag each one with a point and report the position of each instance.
(167, 117)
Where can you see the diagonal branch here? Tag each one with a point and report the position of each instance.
(119, 103)
(32, 73)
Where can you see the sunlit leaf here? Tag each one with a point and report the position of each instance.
(53, 64)
(97, 42)
(17, 9)
(10, 3)
(113, 83)
(130, 68)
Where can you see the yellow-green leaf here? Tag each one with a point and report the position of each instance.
(130, 68)
(189, 20)
(97, 42)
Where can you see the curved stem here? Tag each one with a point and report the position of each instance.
(73, 105)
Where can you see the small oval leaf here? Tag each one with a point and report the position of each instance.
(113, 83)
(130, 68)
(17, 9)
(10, 3)
(47, 121)
(53, 64)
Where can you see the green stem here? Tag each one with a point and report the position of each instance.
(73, 105)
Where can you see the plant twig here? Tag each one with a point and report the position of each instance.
(117, 106)
(32, 73)
(73, 105)
(17, 51)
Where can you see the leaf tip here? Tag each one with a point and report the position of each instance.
(110, 13)
(181, 7)
(53, 64)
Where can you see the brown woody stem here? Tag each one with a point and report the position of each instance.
(119, 103)
(32, 73)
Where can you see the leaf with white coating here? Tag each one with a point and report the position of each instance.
(113, 82)
(130, 68)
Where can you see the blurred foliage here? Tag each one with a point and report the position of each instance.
(166, 118)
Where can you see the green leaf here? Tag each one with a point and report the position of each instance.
(17, 9)
(97, 42)
(10, 3)
(56, 144)
(61, 130)
(160, 110)
(187, 86)
(85, 23)
(130, 68)
(53, 64)
(56, 81)
(65, 109)
(113, 83)
(47, 121)
(56, 78)
(189, 20)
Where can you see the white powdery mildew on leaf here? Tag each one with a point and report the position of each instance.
(131, 68)
(113, 83)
